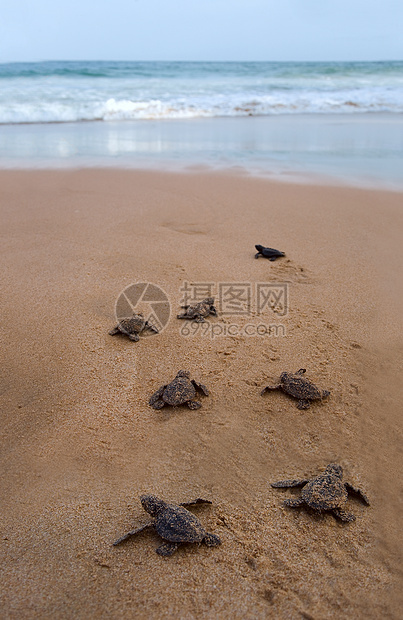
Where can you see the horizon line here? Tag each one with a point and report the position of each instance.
(9, 62)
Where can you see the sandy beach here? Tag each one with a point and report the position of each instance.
(79, 443)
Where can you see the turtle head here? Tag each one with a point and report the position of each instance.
(259, 247)
(209, 301)
(284, 376)
(334, 470)
(152, 504)
(183, 373)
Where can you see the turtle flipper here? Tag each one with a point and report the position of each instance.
(156, 397)
(201, 387)
(343, 515)
(182, 316)
(159, 404)
(270, 387)
(132, 533)
(194, 404)
(358, 492)
(114, 331)
(258, 254)
(199, 500)
(213, 310)
(303, 404)
(282, 484)
(301, 371)
(167, 548)
(148, 325)
(293, 503)
(211, 540)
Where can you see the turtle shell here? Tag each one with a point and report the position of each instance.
(325, 493)
(200, 309)
(298, 387)
(192, 311)
(134, 325)
(271, 252)
(176, 524)
(179, 391)
(203, 308)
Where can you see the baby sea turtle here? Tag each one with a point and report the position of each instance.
(198, 311)
(269, 253)
(325, 492)
(295, 385)
(132, 327)
(180, 391)
(174, 524)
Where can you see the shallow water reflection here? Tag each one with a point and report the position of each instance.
(364, 149)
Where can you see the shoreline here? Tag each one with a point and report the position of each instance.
(347, 115)
(292, 177)
(357, 149)
(80, 443)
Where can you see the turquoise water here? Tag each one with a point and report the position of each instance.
(77, 91)
(343, 121)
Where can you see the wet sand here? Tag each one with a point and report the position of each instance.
(362, 150)
(80, 443)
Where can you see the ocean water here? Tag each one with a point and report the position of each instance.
(83, 91)
(329, 118)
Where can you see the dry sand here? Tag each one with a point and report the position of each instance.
(80, 443)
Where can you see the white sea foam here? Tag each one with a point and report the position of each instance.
(66, 92)
(126, 109)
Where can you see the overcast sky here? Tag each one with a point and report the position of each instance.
(33, 30)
